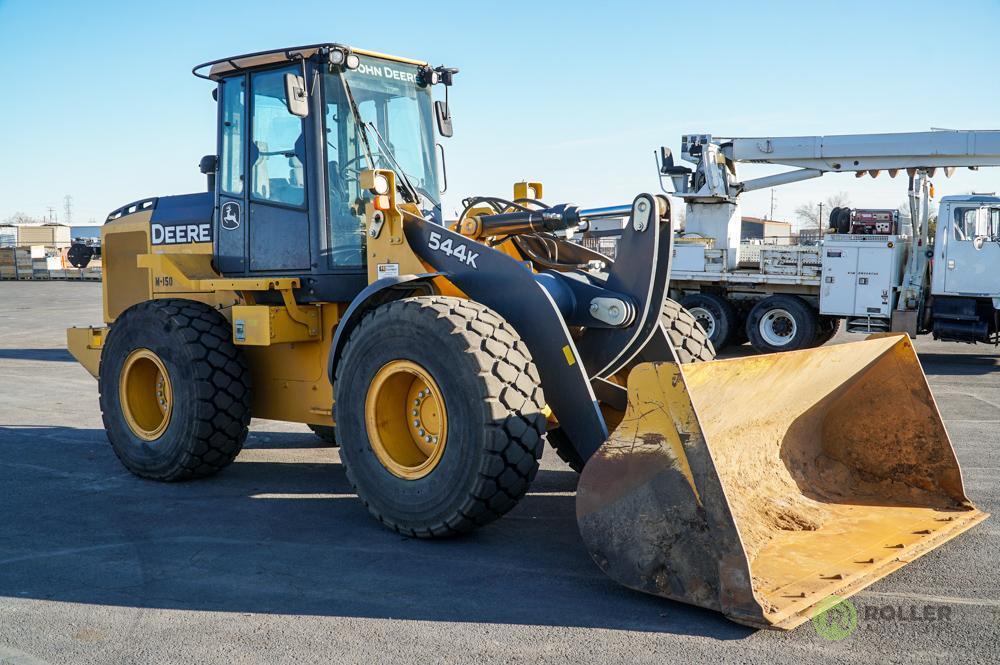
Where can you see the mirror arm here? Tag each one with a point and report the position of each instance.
(444, 169)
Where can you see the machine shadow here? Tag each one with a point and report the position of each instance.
(45, 355)
(960, 364)
(280, 531)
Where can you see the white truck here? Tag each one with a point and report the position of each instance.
(878, 274)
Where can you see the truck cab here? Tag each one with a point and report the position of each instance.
(965, 279)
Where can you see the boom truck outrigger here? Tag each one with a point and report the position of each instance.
(879, 279)
(316, 282)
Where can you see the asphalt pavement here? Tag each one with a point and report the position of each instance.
(274, 560)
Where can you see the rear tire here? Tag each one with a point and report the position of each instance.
(691, 344)
(490, 405)
(174, 390)
(715, 315)
(828, 328)
(782, 323)
(327, 433)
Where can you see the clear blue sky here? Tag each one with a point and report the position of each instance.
(99, 101)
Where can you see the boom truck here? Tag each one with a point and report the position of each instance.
(317, 282)
(869, 270)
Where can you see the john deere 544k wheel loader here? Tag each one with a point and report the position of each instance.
(316, 282)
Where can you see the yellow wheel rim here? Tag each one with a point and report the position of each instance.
(145, 394)
(406, 419)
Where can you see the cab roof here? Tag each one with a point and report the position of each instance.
(216, 69)
(972, 198)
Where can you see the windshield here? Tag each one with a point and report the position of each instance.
(389, 96)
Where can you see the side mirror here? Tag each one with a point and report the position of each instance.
(296, 98)
(443, 116)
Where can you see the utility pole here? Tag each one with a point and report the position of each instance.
(52, 214)
(771, 217)
(820, 221)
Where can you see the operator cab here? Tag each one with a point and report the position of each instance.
(296, 129)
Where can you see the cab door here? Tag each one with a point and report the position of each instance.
(278, 235)
(262, 217)
(972, 252)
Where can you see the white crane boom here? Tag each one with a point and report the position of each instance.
(716, 158)
(868, 152)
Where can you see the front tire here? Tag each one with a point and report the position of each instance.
(174, 390)
(439, 415)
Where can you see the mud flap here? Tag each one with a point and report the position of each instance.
(760, 486)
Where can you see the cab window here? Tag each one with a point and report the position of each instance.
(965, 223)
(233, 104)
(277, 144)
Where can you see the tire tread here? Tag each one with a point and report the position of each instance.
(223, 383)
(514, 419)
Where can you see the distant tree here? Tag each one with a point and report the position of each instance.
(808, 213)
(932, 218)
(21, 218)
(838, 200)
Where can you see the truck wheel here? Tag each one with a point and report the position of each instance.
(691, 344)
(715, 314)
(439, 414)
(782, 323)
(174, 390)
(827, 329)
(327, 433)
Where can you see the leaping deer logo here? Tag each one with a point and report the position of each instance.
(231, 216)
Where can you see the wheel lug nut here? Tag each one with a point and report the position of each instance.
(427, 439)
(421, 432)
(416, 423)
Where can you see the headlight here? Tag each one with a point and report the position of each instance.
(380, 184)
(336, 57)
(353, 61)
(429, 76)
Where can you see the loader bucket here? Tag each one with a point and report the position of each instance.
(761, 486)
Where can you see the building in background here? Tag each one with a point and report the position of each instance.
(765, 231)
(51, 235)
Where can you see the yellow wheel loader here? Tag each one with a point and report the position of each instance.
(317, 282)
